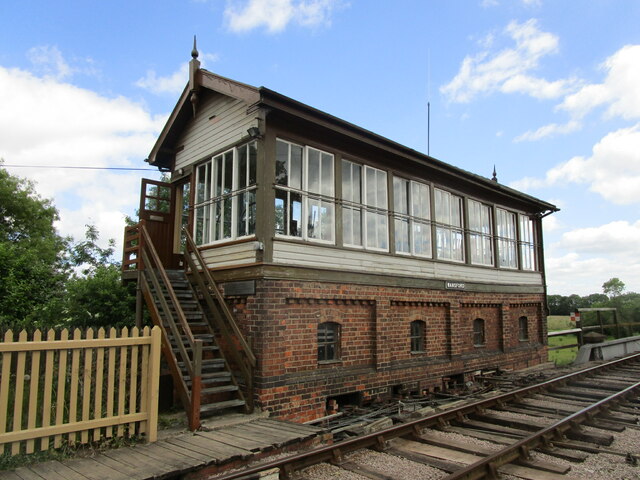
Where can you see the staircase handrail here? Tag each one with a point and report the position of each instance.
(227, 318)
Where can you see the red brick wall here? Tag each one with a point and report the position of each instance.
(281, 320)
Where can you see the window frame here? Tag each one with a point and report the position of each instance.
(480, 229)
(523, 333)
(479, 333)
(507, 239)
(410, 216)
(213, 194)
(324, 198)
(335, 329)
(417, 336)
(527, 243)
(449, 228)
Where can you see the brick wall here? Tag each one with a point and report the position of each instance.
(282, 318)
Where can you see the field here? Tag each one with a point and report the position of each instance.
(566, 355)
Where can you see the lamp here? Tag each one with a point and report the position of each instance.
(254, 132)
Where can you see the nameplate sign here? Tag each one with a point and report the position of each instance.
(246, 287)
(455, 285)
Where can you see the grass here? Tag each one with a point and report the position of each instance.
(566, 355)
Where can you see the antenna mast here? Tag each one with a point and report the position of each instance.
(428, 101)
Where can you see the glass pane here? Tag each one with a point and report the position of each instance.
(326, 221)
(402, 235)
(313, 171)
(295, 212)
(281, 214)
(420, 200)
(242, 167)
(296, 167)
(227, 186)
(370, 186)
(400, 195)
(421, 239)
(347, 192)
(327, 175)
(282, 162)
(253, 160)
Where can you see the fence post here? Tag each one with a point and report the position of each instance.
(154, 384)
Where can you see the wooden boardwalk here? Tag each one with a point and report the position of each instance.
(188, 453)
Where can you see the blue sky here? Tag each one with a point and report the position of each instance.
(548, 91)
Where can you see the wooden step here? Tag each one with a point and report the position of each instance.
(210, 378)
(220, 389)
(215, 407)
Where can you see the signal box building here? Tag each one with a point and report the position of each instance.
(354, 267)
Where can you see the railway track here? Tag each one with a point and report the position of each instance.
(531, 432)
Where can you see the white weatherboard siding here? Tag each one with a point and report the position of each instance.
(224, 256)
(318, 256)
(205, 135)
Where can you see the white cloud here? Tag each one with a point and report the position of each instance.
(590, 254)
(174, 83)
(276, 15)
(509, 70)
(612, 171)
(620, 89)
(71, 126)
(619, 238)
(49, 62)
(550, 130)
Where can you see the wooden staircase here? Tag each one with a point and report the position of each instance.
(210, 361)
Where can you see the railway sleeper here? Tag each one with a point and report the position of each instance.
(525, 460)
(530, 425)
(507, 439)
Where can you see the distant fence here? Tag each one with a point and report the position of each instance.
(77, 390)
(606, 326)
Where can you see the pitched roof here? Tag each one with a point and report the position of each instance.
(163, 151)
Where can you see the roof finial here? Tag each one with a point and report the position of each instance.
(194, 52)
(494, 178)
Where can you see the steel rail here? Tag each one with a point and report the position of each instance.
(377, 440)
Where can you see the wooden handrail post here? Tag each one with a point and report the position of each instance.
(154, 384)
(196, 387)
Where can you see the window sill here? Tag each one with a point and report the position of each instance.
(480, 346)
(419, 352)
(330, 362)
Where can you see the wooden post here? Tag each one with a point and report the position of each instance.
(196, 387)
(615, 320)
(600, 322)
(139, 302)
(581, 332)
(154, 384)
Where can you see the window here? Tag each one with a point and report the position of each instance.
(352, 210)
(523, 328)
(364, 214)
(527, 243)
(478, 332)
(376, 223)
(225, 203)
(480, 239)
(304, 192)
(449, 239)
(411, 206)
(328, 341)
(417, 336)
(506, 229)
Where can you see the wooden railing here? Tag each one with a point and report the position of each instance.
(167, 313)
(57, 389)
(235, 346)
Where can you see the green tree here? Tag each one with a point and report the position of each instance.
(32, 270)
(613, 287)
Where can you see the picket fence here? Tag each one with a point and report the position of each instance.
(77, 390)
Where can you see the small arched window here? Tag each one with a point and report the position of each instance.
(417, 336)
(478, 332)
(328, 341)
(523, 329)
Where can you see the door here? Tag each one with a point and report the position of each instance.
(157, 205)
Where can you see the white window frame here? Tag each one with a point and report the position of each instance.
(480, 233)
(376, 211)
(352, 204)
(208, 201)
(412, 217)
(449, 229)
(325, 197)
(507, 236)
(527, 243)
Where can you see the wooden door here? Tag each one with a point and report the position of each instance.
(157, 205)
